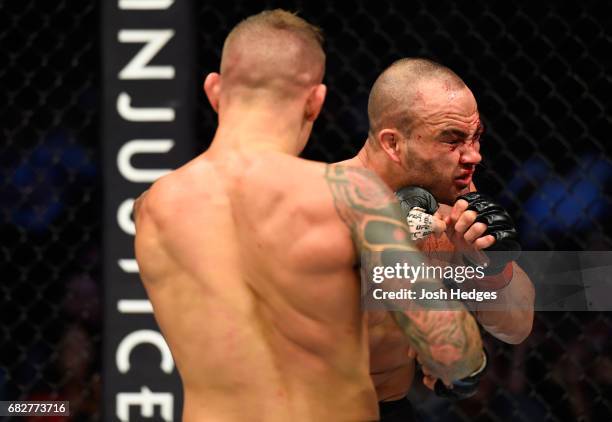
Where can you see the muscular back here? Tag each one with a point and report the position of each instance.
(251, 275)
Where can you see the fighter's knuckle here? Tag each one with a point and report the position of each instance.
(462, 204)
(485, 242)
(459, 227)
(470, 215)
(471, 236)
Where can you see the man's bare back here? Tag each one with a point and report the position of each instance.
(258, 271)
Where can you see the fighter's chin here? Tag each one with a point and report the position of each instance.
(449, 196)
(464, 190)
(460, 188)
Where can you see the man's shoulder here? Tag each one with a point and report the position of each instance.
(173, 185)
(170, 191)
(283, 174)
(317, 178)
(289, 168)
(282, 166)
(358, 186)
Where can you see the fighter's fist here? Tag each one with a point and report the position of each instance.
(416, 197)
(465, 387)
(419, 207)
(499, 228)
(458, 389)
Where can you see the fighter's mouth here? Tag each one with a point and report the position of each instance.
(465, 178)
(465, 174)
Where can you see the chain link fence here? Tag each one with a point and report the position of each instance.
(50, 195)
(539, 70)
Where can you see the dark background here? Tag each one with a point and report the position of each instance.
(539, 70)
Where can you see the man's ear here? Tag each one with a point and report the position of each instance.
(315, 101)
(389, 140)
(212, 88)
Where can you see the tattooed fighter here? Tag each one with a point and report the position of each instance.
(249, 254)
(425, 131)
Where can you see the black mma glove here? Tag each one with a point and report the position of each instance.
(415, 197)
(500, 225)
(418, 206)
(465, 387)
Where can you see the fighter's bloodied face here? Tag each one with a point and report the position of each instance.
(443, 144)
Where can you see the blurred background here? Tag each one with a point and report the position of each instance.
(540, 71)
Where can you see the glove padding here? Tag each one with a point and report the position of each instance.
(418, 206)
(415, 197)
(465, 387)
(500, 225)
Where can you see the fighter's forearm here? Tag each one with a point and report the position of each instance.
(446, 342)
(513, 321)
(444, 335)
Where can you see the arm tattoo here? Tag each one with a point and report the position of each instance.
(447, 343)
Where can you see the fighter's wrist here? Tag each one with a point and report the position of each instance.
(482, 366)
(464, 387)
(497, 281)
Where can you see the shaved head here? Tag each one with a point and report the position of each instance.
(274, 52)
(397, 89)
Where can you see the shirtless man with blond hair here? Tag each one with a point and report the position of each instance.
(250, 255)
(425, 131)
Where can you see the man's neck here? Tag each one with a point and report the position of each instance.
(258, 128)
(370, 160)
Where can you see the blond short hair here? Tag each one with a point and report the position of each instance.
(281, 20)
(274, 47)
